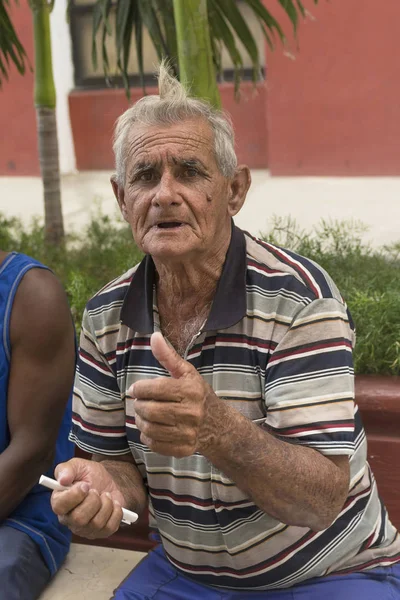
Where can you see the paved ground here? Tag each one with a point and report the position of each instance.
(375, 201)
(91, 573)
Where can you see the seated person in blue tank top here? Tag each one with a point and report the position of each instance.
(37, 358)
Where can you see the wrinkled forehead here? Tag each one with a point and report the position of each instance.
(192, 139)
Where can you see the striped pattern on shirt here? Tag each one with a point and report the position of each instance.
(286, 364)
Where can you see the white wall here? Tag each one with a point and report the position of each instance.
(64, 82)
(374, 201)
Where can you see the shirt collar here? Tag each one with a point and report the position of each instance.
(229, 304)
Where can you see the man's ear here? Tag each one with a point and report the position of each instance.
(239, 187)
(119, 193)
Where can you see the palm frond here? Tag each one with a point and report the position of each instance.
(100, 22)
(165, 12)
(221, 33)
(131, 18)
(123, 39)
(11, 49)
(228, 28)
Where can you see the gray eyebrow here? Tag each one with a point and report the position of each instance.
(189, 162)
(143, 166)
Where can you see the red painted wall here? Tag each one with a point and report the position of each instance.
(93, 114)
(335, 110)
(18, 147)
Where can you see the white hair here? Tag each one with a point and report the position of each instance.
(172, 106)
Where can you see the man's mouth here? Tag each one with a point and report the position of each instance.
(169, 224)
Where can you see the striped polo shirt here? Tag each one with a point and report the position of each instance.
(277, 346)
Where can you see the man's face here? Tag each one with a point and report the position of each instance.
(174, 197)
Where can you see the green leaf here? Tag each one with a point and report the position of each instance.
(266, 20)
(291, 11)
(239, 25)
(96, 21)
(126, 15)
(123, 10)
(301, 8)
(101, 11)
(221, 30)
(11, 49)
(150, 20)
(165, 12)
(105, 6)
(215, 39)
(139, 47)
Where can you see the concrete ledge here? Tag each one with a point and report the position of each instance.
(378, 399)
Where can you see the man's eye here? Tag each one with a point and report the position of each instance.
(191, 172)
(146, 176)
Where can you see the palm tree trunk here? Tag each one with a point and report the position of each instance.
(45, 103)
(196, 67)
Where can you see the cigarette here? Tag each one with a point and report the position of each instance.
(128, 516)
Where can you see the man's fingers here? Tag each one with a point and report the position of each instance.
(96, 517)
(152, 411)
(80, 516)
(114, 521)
(168, 414)
(163, 389)
(168, 449)
(104, 514)
(165, 433)
(63, 503)
(168, 357)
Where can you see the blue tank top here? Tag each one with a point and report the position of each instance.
(34, 515)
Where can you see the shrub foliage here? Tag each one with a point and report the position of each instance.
(369, 279)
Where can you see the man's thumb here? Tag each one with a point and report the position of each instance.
(68, 472)
(168, 357)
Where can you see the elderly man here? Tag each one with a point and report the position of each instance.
(215, 384)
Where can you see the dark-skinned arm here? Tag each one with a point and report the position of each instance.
(41, 377)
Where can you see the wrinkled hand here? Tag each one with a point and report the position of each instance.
(92, 507)
(174, 414)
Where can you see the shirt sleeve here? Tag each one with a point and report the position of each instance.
(98, 419)
(309, 384)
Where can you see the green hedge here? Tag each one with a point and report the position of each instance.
(368, 279)
(88, 261)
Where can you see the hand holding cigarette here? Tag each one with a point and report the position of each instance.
(87, 500)
(129, 516)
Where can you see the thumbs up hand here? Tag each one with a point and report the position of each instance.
(176, 415)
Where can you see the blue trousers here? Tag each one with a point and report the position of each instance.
(156, 579)
(23, 572)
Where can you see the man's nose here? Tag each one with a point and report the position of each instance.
(166, 193)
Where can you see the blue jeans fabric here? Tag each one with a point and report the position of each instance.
(23, 571)
(156, 579)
